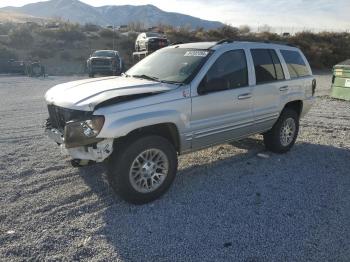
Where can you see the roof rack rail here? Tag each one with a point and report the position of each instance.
(223, 41)
(176, 43)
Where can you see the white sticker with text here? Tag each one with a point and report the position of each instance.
(196, 53)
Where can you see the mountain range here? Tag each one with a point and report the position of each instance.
(77, 11)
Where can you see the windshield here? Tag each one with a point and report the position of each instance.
(170, 64)
(104, 54)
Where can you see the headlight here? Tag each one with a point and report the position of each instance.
(80, 133)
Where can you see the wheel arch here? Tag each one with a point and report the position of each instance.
(296, 105)
(166, 130)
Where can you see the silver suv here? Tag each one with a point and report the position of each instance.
(180, 99)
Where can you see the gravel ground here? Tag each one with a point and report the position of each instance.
(226, 204)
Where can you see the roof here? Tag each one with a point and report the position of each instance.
(217, 45)
(102, 50)
(344, 63)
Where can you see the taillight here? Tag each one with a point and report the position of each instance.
(314, 84)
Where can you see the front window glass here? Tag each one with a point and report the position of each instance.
(228, 72)
(170, 64)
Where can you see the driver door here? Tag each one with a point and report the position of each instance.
(222, 110)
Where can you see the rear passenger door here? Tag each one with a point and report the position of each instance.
(269, 87)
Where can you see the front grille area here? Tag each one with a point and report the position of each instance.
(59, 116)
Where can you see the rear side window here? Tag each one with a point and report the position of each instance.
(267, 66)
(295, 63)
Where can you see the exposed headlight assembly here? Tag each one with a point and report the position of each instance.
(81, 133)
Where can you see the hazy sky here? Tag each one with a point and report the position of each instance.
(317, 14)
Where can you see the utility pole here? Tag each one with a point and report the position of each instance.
(113, 37)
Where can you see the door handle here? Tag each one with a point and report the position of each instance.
(283, 88)
(245, 96)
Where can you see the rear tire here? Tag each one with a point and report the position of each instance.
(142, 169)
(284, 133)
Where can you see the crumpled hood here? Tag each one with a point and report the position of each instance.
(86, 94)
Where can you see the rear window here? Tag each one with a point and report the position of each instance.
(267, 66)
(153, 35)
(104, 53)
(295, 63)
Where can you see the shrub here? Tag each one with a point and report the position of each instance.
(71, 35)
(6, 53)
(108, 33)
(65, 55)
(21, 37)
(67, 33)
(5, 28)
(41, 53)
(91, 28)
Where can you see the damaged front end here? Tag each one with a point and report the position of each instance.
(76, 132)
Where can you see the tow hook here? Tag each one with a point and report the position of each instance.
(81, 162)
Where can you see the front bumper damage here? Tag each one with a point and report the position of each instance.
(96, 152)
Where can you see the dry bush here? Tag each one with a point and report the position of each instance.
(65, 55)
(41, 53)
(90, 28)
(6, 53)
(108, 33)
(21, 37)
(5, 28)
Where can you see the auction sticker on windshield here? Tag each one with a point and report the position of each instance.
(196, 53)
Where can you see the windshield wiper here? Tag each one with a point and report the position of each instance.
(171, 82)
(147, 77)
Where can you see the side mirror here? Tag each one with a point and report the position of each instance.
(213, 85)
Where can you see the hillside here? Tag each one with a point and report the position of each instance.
(10, 16)
(64, 49)
(76, 11)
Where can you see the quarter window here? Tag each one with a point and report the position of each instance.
(229, 71)
(267, 66)
(295, 63)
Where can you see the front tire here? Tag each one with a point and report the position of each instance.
(284, 133)
(142, 169)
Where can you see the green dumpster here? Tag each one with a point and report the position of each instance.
(341, 80)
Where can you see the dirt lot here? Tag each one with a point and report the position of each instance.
(226, 204)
